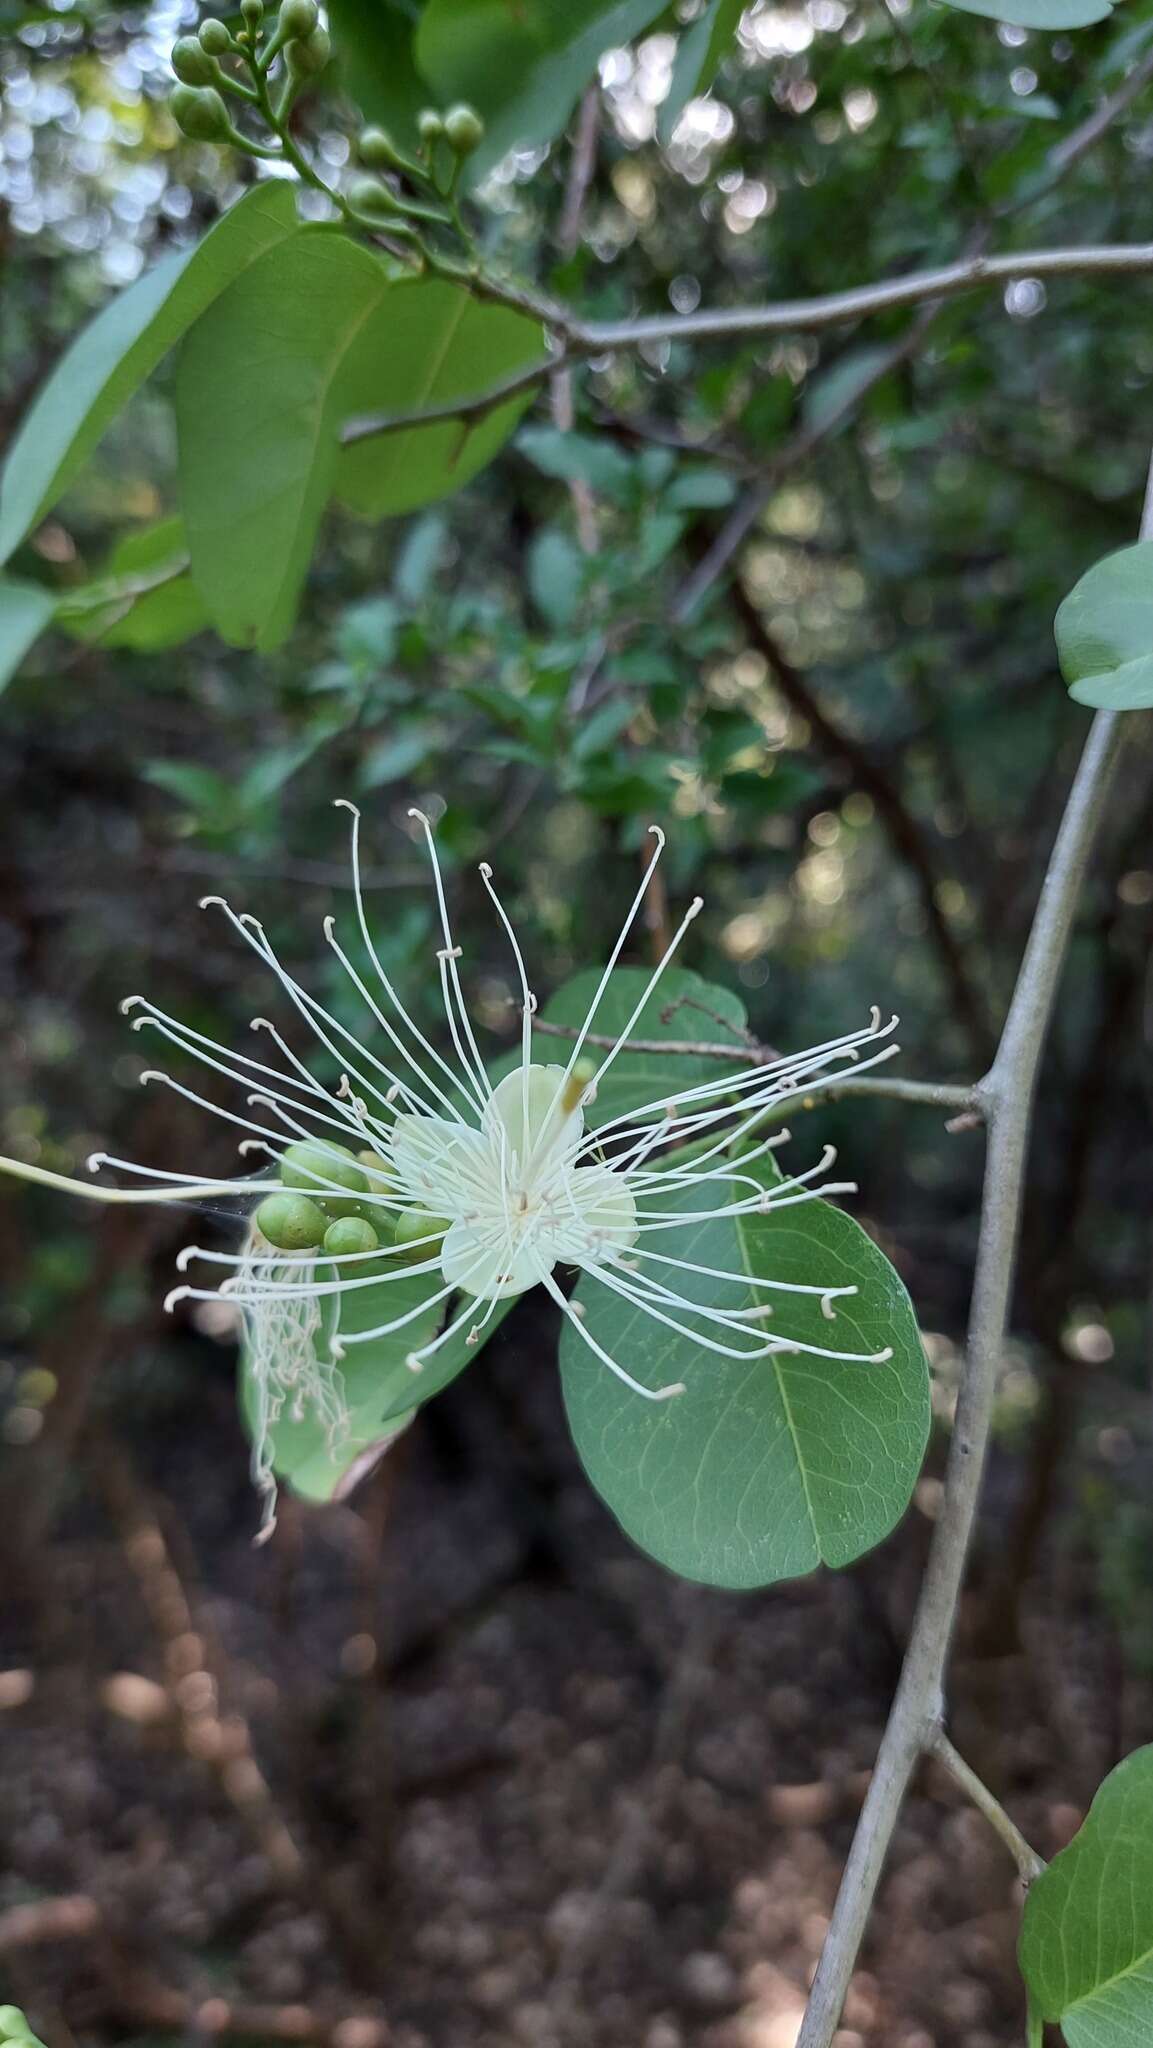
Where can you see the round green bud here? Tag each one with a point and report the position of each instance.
(414, 1225)
(199, 112)
(253, 12)
(214, 37)
(296, 18)
(368, 195)
(376, 148)
(463, 129)
(308, 55)
(429, 125)
(350, 1234)
(291, 1222)
(191, 62)
(319, 1168)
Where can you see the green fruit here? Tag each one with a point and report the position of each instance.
(215, 37)
(296, 18)
(350, 1234)
(376, 148)
(368, 195)
(191, 62)
(429, 125)
(305, 57)
(200, 113)
(464, 130)
(291, 1222)
(413, 1225)
(321, 1170)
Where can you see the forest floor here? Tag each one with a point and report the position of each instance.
(455, 1767)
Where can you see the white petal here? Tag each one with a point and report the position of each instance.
(534, 1089)
(439, 1162)
(604, 1217)
(472, 1260)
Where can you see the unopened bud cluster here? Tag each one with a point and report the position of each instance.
(327, 1206)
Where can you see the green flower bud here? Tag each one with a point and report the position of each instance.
(305, 58)
(291, 1222)
(215, 37)
(350, 1234)
(296, 18)
(429, 125)
(414, 1224)
(253, 12)
(199, 112)
(191, 62)
(376, 148)
(464, 129)
(316, 1166)
(368, 195)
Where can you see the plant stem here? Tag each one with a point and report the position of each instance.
(1006, 1095)
(1028, 1863)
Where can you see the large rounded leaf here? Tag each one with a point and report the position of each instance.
(763, 1468)
(1104, 632)
(430, 344)
(1087, 1936)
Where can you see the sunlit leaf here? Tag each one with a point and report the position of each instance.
(113, 355)
(1047, 14)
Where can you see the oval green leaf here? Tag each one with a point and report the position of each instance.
(762, 1469)
(1086, 1948)
(1104, 632)
(113, 355)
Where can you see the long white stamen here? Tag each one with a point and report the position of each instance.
(606, 1358)
(449, 958)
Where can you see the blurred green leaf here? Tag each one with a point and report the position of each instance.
(1086, 1949)
(1104, 632)
(25, 611)
(700, 51)
(577, 458)
(1048, 14)
(113, 355)
(373, 46)
(556, 575)
(524, 66)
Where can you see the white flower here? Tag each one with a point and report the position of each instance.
(488, 1190)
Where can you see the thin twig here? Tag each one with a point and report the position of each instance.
(1028, 1863)
(939, 1094)
(1007, 1094)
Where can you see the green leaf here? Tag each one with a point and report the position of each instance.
(1104, 632)
(25, 609)
(682, 1007)
(260, 394)
(380, 1391)
(556, 574)
(430, 343)
(1086, 1948)
(144, 598)
(1050, 14)
(373, 40)
(699, 55)
(522, 66)
(577, 458)
(113, 355)
(833, 392)
(764, 1468)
